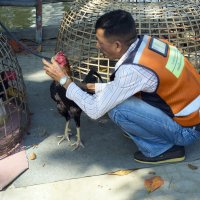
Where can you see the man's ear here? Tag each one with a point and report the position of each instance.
(118, 45)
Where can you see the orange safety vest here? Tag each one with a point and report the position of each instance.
(178, 90)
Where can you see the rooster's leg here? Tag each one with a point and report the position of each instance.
(78, 142)
(66, 135)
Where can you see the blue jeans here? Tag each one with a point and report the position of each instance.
(151, 129)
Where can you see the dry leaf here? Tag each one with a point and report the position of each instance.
(32, 156)
(153, 183)
(193, 167)
(121, 172)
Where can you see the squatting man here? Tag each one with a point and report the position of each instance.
(153, 94)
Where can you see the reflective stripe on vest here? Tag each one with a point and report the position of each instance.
(190, 108)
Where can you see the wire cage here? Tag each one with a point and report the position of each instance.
(176, 21)
(14, 112)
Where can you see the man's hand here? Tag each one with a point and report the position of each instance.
(53, 69)
(90, 87)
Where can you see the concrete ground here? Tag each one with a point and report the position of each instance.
(181, 180)
(180, 183)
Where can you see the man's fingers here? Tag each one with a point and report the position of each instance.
(54, 62)
(45, 68)
(45, 62)
(53, 59)
(53, 69)
(48, 66)
(50, 74)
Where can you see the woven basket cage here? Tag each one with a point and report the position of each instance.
(176, 21)
(14, 112)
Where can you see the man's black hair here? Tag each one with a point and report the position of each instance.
(117, 23)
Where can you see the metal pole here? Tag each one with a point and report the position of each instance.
(39, 22)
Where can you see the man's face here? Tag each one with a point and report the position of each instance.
(107, 46)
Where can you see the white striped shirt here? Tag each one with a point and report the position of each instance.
(129, 79)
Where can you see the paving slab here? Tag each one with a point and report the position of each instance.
(180, 182)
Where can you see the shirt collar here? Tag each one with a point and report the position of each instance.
(121, 60)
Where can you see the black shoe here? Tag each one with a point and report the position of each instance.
(174, 154)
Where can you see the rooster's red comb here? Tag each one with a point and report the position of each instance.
(61, 59)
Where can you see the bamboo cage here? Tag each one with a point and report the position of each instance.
(176, 21)
(14, 112)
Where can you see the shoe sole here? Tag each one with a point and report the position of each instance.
(162, 161)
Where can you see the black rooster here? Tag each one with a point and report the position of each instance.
(68, 108)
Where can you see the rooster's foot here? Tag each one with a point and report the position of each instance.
(63, 137)
(77, 144)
